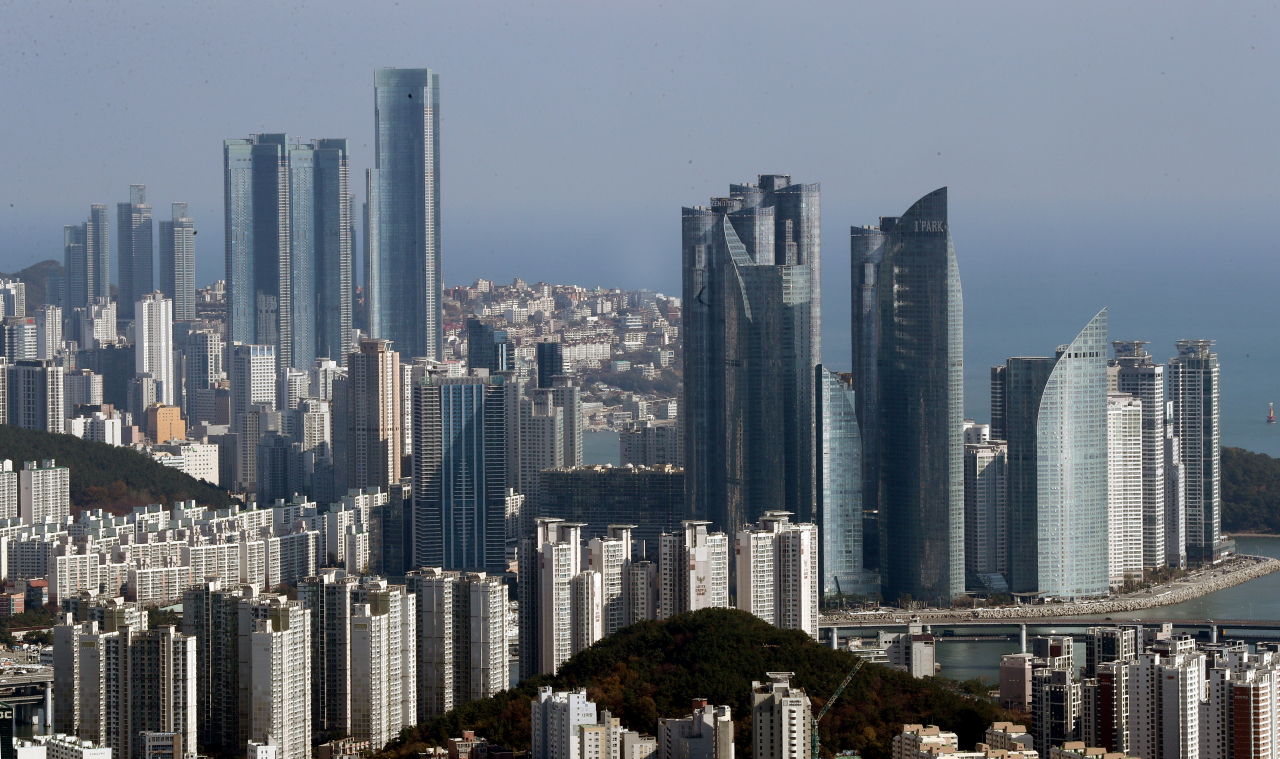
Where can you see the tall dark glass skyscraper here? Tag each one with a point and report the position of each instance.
(334, 249)
(288, 246)
(403, 214)
(751, 266)
(135, 229)
(256, 196)
(908, 328)
(460, 471)
(550, 358)
(178, 262)
(87, 257)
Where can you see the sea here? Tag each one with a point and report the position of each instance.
(601, 447)
(1256, 599)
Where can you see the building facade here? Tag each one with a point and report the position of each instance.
(460, 472)
(1193, 395)
(911, 379)
(839, 486)
(178, 262)
(752, 325)
(1139, 376)
(135, 230)
(153, 327)
(777, 573)
(402, 215)
(1125, 506)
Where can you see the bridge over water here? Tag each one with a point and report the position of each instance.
(1237, 628)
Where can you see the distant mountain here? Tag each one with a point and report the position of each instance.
(105, 476)
(36, 277)
(1250, 492)
(656, 669)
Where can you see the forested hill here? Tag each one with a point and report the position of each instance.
(656, 669)
(107, 477)
(1250, 492)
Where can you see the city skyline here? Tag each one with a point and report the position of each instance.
(1023, 166)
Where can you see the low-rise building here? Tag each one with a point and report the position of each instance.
(706, 733)
(59, 746)
(912, 651)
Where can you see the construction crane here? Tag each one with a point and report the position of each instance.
(832, 702)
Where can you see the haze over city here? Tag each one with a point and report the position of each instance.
(1096, 155)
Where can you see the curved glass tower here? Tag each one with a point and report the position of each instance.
(918, 335)
(1071, 469)
(403, 223)
(839, 485)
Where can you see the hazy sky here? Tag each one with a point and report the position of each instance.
(1096, 153)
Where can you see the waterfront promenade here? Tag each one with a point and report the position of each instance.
(1237, 570)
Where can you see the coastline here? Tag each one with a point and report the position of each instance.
(1239, 570)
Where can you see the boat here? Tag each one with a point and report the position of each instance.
(1271, 413)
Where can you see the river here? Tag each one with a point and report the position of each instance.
(1256, 599)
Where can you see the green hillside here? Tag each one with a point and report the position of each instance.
(107, 477)
(655, 669)
(1250, 492)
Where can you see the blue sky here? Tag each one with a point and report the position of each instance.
(1096, 153)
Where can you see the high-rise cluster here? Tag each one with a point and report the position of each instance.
(1146, 692)
(1084, 479)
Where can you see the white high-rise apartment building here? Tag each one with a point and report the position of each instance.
(321, 376)
(459, 606)
(588, 605)
(81, 387)
(781, 719)
(44, 490)
(693, 570)
(561, 551)
(1166, 685)
(48, 331)
(312, 425)
(116, 685)
(34, 394)
(1193, 395)
(13, 297)
(279, 675)
(97, 324)
(1240, 716)
(707, 733)
(291, 386)
(204, 355)
(561, 601)
(1175, 500)
(1138, 376)
(556, 722)
(253, 377)
(610, 558)
(153, 331)
(777, 572)
(8, 490)
(178, 262)
(986, 514)
(1125, 488)
(383, 663)
(642, 591)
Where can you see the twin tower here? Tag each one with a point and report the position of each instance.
(763, 428)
